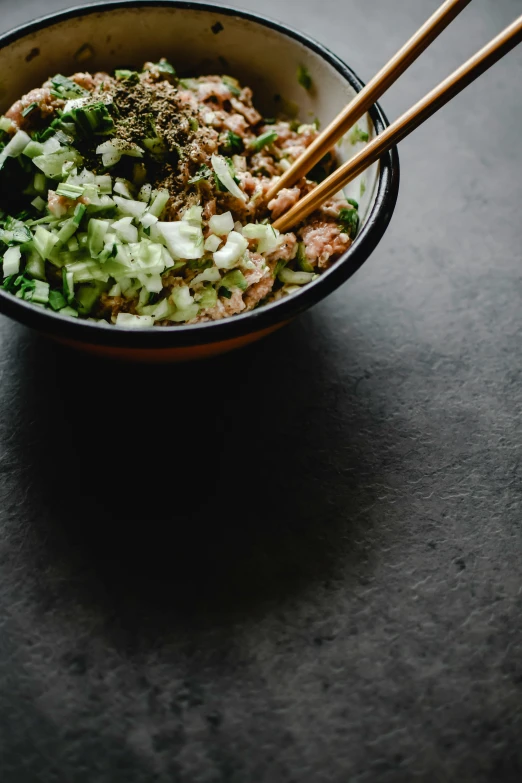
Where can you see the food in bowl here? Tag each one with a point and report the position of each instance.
(138, 199)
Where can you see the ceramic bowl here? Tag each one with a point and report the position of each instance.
(200, 39)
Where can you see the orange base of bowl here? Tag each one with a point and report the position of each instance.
(165, 355)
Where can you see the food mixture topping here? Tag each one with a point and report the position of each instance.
(139, 199)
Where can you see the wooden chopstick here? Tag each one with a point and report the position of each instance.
(402, 127)
(370, 94)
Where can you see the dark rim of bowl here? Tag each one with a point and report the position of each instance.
(255, 320)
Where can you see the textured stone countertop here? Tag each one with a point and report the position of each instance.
(307, 568)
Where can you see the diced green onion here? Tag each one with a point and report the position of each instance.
(357, 134)
(69, 191)
(267, 236)
(224, 175)
(104, 183)
(52, 165)
(22, 234)
(353, 202)
(79, 212)
(12, 258)
(40, 293)
(33, 149)
(96, 231)
(29, 109)
(302, 261)
(123, 74)
(68, 285)
(263, 141)
(6, 124)
(39, 204)
(210, 275)
(35, 266)
(159, 203)
(207, 297)
(232, 144)
(147, 221)
(69, 311)
(56, 300)
(15, 147)
(87, 295)
(83, 271)
(233, 85)
(93, 119)
(234, 279)
(39, 183)
(66, 88)
(295, 278)
(122, 188)
(165, 67)
(349, 219)
(125, 230)
(44, 242)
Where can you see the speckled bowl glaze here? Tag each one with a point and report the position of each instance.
(199, 39)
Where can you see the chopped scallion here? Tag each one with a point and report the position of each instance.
(263, 141)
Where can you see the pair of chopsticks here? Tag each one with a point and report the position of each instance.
(402, 127)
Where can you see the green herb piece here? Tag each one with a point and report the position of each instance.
(194, 124)
(263, 141)
(353, 202)
(349, 220)
(94, 119)
(20, 285)
(29, 109)
(234, 279)
(304, 78)
(278, 267)
(70, 311)
(363, 188)
(224, 292)
(122, 74)
(207, 297)
(56, 300)
(69, 191)
(358, 135)
(302, 261)
(200, 263)
(87, 295)
(233, 85)
(165, 67)
(66, 88)
(232, 144)
(5, 124)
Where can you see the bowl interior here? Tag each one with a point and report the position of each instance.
(197, 40)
